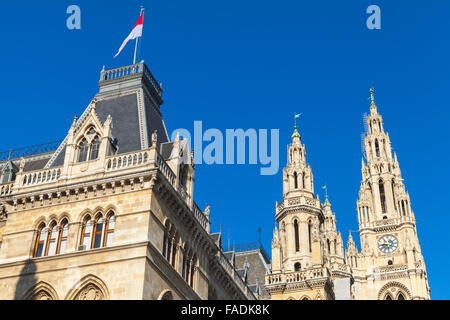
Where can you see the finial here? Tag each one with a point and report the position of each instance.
(296, 115)
(74, 120)
(326, 192)
(372, 95)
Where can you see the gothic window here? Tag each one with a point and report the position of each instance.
(86, 232)
(62, 238)
(184, 267)
(393, 192)
(377, 148)
(98, 230)
(403, 208)
(388, 297)
(303, 180)
(335, 247)
(83, 151)
(297, 266)
(328, 245)
(297, 242)
(382, 196)
(295, 180)
(309, 236)
(400, 296)
(165, 245)
(94, 149)
(174, 253)
(109, 229)
(40, 241)
(51, 240)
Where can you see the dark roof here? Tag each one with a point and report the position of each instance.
(35, 164)
(166, 150)
(124, 112)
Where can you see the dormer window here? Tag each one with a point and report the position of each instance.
(89, 147)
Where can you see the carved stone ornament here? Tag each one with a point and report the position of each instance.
(154, 137)
(42, 295)
(315, 233)
(90, 292)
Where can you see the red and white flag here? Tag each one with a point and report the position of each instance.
(135, 33)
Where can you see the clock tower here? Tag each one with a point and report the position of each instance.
(390, 265)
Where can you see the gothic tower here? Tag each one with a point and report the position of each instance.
(390, 265)
(307, 251)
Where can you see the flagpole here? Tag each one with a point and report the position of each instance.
(137, 38)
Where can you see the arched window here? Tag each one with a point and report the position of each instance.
(303, 181)
(83, 151)
(377, 148)
(335, 247)
(297, 242)
(393, 192)
(400, 296)
(388, 297)
(382, 196)
(309, 236)
(98, 230)
(40, 241)
(86, 232)
(51, 240)
(95, 148)
(174, 251)
(62, 239)
(109, 230)
(297, 266)
(403, 208)
(295, 180)
(328, 244)
(390, 263)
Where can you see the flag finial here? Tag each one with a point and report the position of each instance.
(372, 94)
(326, 192)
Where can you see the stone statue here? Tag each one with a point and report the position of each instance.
(154, 137)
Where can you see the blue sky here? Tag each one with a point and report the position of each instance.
(252, 64)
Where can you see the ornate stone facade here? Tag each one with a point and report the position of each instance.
(108, 216)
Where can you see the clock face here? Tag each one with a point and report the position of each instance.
(388, 244)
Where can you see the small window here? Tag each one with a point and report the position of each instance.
(297, 240)
(62, 240)
(83, 152)
(400, 297)
(40, 241)
(98, 230)
(297, 266)
(390, 263)
(86, 232)
(109, 230)
(95, 148)
(51, 241)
